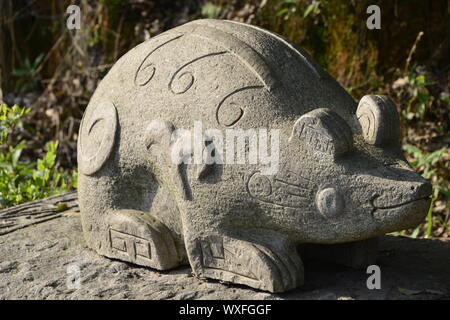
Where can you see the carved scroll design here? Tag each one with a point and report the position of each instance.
(186, 79)
(228, 112)
(146, 69)
(283, 191)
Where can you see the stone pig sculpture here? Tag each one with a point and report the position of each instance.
(341, 175)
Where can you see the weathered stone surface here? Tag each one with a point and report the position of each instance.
(38, 262)
(29, 213)
(340, 175)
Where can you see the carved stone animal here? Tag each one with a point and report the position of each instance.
(341, 178)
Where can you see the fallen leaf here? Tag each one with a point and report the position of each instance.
(409, 292)
(61, 207)
(436, 292)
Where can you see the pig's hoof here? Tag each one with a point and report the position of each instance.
(139, 238)
(266, 261)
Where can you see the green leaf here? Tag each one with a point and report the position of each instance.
(282, 11)
(415, 233)
(312, 7)
(40, 165)
(19, 73)
(38, 60)
(15, 157)
(412, 149)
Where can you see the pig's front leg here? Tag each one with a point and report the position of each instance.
(137, 237)
(262, 259)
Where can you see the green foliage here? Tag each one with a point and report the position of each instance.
(28, 67)
(9, 119)
(420, 98)
(21, 181)
(25, 75)
(425, 161)
(211, 11)
(290, 8)
(312, 8)
(427, 164)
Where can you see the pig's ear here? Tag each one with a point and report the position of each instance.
(378, 118)
(324, 131)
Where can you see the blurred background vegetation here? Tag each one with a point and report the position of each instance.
(51, 73)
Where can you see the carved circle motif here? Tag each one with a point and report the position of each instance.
(97, 136)
(259, 185)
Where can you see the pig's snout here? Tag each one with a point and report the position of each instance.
(422, 190)
(402, 195)
(403, 208)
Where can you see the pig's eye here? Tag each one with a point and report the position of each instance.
(324, 131)
(379, 121)
(329, 202)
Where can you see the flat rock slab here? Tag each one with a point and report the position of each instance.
(42, 260)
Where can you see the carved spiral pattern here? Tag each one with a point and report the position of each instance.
(147, 69)
(183, 81)
(145, 74)
(228, 112)
(378, 118)
(97, 137)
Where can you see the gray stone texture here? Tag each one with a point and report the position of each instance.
(342, 176)
(36, 262)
